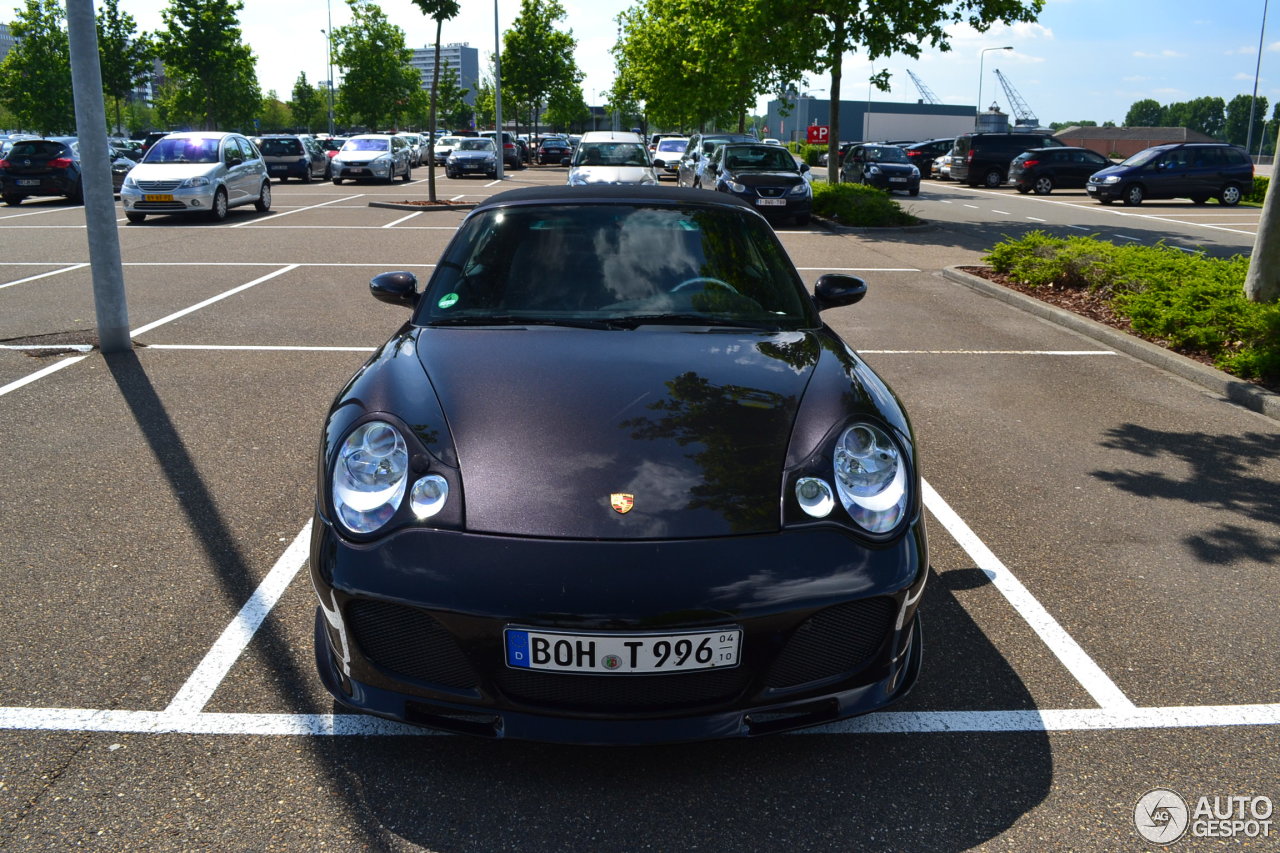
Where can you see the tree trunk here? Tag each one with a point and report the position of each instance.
(833, 116)
(1262, 284)
(431, 121)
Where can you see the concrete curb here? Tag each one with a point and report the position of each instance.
(840, 228)
(1229, 387)
(452, 205)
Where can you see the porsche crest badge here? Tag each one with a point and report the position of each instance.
(622, 502)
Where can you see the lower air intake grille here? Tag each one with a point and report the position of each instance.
(623, 693)
(409, 642)
(835, 641)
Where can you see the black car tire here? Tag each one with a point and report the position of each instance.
(76, 196)
(135, 217)
(263, 204)
(1230, 195)
(1133, 195)
(1043, 185)
(337, 180)
(218, 210)
(802, 219)
(1200, 199)
(992, 179)
(328, 170)
(408, 175)
(1105, 200)
(1024, 189)
(13, 200)
(914, 191)
(306, 174)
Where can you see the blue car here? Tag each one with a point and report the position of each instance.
(1198, 171)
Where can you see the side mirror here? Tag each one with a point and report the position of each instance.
(235, 161)
(834, 290)
(395, 288)
(804, 167)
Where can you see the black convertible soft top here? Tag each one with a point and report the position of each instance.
(612, 192)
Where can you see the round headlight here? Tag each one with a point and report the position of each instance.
(369, 476)
(814, 496)
(428, 496)
(871, 477)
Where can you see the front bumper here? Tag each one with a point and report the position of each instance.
(372, 171)
(169, 200)
(894, 183)
(411, 628)
(1103, 192)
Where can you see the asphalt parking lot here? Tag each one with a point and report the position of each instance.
(1100, 621)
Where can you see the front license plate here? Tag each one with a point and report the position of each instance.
(27, 182)
(622, 653)
(771, 202)
(470, 166)
(897, 180)
(279, 168)
(163, 197)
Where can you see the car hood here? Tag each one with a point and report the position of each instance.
(360, 156)
(611, 174)
(552, 424)
(766, 179)
(174, 171)
(891, 168)
(472, 155)
(1110, 170)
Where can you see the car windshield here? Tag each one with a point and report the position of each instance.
(183, 150)
(368, 144)
(673, 145)
(449, 141)
(758, 158)
(1144, 157)
(884, 154)
(279, 147)
(476, 145)
(616, 266)
(610, 154)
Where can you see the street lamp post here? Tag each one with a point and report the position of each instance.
(329, 83)
(981, 56)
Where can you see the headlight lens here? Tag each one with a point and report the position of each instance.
(915, 173)
(735, 186)
(130, 182)
(870, 477)
(196, 182)
(873, 170)
(801, 188)
(428, 496)
(370, 475)
(1111, 179)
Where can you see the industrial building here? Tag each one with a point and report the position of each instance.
(869, 120)
(462, 58)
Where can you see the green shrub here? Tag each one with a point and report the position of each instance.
(1195, 304)
(1259, 191)
(856, 204)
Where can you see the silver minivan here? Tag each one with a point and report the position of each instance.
(611, 157)
(197, 172)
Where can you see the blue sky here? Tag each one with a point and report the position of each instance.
(1083, 59)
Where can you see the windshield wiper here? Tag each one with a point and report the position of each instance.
(512, 320)
(687, 320)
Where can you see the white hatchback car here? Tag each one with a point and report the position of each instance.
(611, 157)
(197, 172)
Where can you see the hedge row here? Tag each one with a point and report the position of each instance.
(857, 204)
(1193, 303)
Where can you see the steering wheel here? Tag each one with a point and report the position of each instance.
(703, 280)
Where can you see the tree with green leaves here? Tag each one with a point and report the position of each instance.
(1145, 113)
(309, 106)
(1236, 126)
(378, 80)
(216, 85)
(453, 109)
(567, 110)
(1203, 115)
(35, 78)
(537, 58)
(274, 116)
(125, 56)
(439, 11)
(486, 100)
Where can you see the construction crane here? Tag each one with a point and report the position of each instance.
(926, 94)
(1022, 115)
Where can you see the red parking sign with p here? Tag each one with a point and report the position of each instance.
(819, 134)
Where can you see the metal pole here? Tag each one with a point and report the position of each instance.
(1253, 103)
(328, 37)
(497, 90)
(95, 180)
(982, 55)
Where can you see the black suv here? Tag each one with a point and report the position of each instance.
(922, 154)
(694, 160)
(1198, 171)
(982, 159)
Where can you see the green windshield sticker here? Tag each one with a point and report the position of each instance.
(448, 300)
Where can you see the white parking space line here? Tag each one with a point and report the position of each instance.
(1036, 219)
(402, 219)
(984, 352)
(1127, 237)
(211, 300)
(71, 268)
(202, 683)
(1068, 651)
(40, 374)
(32, 213)
(296, 210)
(857, 269)
(256, 348)
(1001, 212)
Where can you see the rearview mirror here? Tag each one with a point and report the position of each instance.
(395, 288)
(835, 290)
